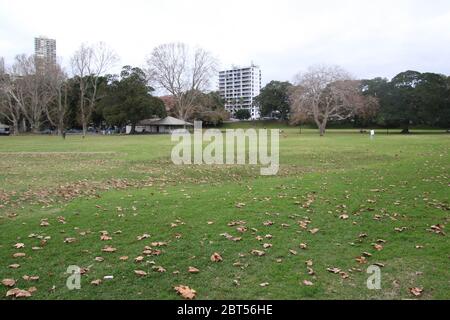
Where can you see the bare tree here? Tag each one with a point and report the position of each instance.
(89, 63)
(325, 93)
(29, 90)
(57, 111)
(8, 107)
(183, 73)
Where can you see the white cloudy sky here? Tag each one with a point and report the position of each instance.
(368, 37)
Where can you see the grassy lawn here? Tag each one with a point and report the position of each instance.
(342, 196)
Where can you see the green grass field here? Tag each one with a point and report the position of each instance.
(342, 196)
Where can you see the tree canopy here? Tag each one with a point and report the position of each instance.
(273, 100)
(129, 99)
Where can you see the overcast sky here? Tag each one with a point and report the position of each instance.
(368, 38)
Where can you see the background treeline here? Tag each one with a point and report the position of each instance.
(410, 99)
(38, 95)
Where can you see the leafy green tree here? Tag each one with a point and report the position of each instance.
(274, 99)
(129, 99)
(242, 114)
(406, 105)
(433, 92)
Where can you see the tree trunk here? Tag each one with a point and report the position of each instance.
(15, 127)
(322, 130)
(61, 128)
(35, 127)
(84, 123)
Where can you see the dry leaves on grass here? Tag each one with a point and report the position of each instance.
(142, 237)
(230, 237)
(19, 293)
(19, 245)
(308, 283)
(361, 260)
(258, 253)
(236, 223)
(417, 292)
(30, 278)
(140, 273)
(314, 231)
(334, 270)
(193, 270)
(44, 223)
(186, 292)
(242, 229)
(378, 247)
(14, 266)
(310, 200)
(69, 240)
(19, 255)
(158, 244)
(9, 282)
(109, 249)
(159, 269)
(216, 257)
(438, 229)
(105, 237)
(96, 282)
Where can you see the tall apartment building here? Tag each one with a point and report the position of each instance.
(45, 49)
(2, 65)
(238, 87)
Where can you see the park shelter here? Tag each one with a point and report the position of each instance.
(161, 126)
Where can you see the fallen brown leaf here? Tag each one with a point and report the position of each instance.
(216, 257)
(193, 270)
(19, 255)
(186, 292)
(18, 293)
(140, 273)
(416, 291)
(9, 282)
(30, 278)
(96, 282)
(109, 249)
(307, 283)
(258, 253)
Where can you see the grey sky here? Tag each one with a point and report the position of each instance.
(368, 38)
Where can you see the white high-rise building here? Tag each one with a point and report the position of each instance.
(238, 87)
(45, 49)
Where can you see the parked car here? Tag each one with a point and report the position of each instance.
(74, 131)
(47, 131)
(4, 130)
